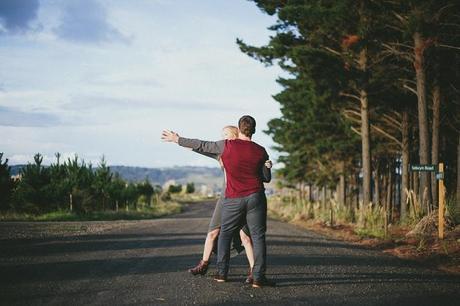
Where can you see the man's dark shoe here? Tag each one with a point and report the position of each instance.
(263, 282)
(200, 269)
(249, 279)
(220, 278)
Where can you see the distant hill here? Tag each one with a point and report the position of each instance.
(209, 176)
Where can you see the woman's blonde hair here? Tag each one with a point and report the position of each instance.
(231, 130)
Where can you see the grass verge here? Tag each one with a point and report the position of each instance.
(159, 210)
(440, 254)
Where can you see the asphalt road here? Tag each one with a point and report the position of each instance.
(145, 263)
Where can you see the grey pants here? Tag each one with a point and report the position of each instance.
(216, 219)
(253, 210)
(216, 224)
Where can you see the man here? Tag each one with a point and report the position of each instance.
(245, 199)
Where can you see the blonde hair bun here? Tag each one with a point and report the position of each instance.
(231, 130)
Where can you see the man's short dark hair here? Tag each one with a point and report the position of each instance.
(247, 125)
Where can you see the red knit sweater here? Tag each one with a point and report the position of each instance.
(243, 162)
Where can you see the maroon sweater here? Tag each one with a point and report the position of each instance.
(243, 162)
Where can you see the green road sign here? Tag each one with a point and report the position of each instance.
(424, 168)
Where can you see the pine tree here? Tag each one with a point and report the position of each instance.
(102, 181)
(6, 184)
(33, 193)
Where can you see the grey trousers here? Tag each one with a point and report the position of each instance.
(216, 224)
(235, 211)
(216, 219)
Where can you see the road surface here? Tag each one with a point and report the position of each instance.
(145, 263)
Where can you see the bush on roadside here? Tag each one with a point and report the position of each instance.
(71, 184)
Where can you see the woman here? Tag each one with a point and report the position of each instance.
(229, 133)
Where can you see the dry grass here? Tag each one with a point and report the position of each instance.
(371, 217)
(158, 210)
(365, 226)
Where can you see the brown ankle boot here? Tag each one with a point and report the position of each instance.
(200, 269)
(249, 279)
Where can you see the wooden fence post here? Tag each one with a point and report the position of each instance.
(70, 202)
(441, 203)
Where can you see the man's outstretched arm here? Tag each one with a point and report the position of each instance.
(213, 147)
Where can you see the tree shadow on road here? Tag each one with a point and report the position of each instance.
(302, 279)
(39, 248)
(107, 242)
(145, 264)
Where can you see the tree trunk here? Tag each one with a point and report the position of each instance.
(304, 192)
(356, 193)
(458, 176)
(405, 163)
(365, 139)
(389, 206)
(342, 186)
(300, 188)
(366, 156)
(349, 192)
(419, 48)
(396, 195)
(324, 196)
(435, 139)
(397, 191)
(383, 196)
(377, 183)
(411, 182)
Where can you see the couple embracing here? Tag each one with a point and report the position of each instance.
(242, 214)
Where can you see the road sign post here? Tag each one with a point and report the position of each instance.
(441, 203)
(442, 192)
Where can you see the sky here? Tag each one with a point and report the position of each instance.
(97, 77)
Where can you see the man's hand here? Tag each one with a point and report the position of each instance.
(169, 136)
(268, 164)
